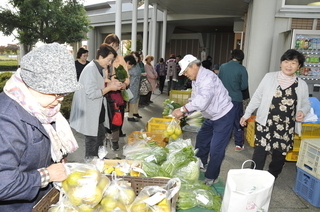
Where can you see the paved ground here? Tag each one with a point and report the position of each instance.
(283, 197)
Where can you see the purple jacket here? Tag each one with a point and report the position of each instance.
(24, 147)
(209, 96)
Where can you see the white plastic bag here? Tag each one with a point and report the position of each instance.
(247, 190)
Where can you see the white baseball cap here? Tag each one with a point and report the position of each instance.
(185, 62)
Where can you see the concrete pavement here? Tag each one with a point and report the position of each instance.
(284, 199)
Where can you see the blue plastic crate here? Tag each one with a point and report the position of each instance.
(308, 187)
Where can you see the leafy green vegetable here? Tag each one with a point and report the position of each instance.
(196, 193)
(189, 172)
(153, 170)
(186, 200)
(121, 73)
(155, 154)
(178, 159)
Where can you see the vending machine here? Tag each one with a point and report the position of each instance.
(308, 43)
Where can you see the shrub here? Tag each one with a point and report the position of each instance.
(4, 78)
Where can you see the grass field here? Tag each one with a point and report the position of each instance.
(8, 62)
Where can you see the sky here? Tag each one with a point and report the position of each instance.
(5, 40)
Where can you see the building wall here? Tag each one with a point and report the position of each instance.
(220, 47)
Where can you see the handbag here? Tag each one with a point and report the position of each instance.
(117, 97)
(117, 115)
(145, 86)
(247, 190)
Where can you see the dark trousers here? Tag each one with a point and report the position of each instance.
(237, 128)
(93, 142)
(162, 79)
(171, 85)
(276, 164)
(212, 139)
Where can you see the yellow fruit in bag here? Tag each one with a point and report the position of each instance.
(178, 131)
(174, 136)
(170, 130)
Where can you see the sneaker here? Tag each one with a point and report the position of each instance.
(204, 168)
(239, 148)
(137, 115)
(132, 119)
(115, 146)
(210, 182)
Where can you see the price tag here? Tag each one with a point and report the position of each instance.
(157, 197)
(150, 158)
(202, 199)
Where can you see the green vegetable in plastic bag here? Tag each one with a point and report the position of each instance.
(186, 200)
(178, 159)
(207, 199)
(190, 171)
(153, 170)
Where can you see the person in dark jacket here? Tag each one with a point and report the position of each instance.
(81, 60)
(34, 136)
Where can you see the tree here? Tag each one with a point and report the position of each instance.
(127, 45)
(45, 20)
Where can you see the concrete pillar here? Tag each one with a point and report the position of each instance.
(154, 29)
(145, 28)
(134, 25)
(118, 18)
(164, 33)
(259, 38)
(91, 44)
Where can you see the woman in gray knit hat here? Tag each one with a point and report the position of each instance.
(34, 136)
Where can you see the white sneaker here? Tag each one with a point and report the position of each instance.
(210, 182)
(239, 148)
(204, 169)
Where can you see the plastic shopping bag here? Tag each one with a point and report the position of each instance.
(247, 190)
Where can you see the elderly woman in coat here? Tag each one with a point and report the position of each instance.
(89, 111)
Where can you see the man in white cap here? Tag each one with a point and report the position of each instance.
(211, 98)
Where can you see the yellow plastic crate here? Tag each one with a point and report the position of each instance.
(250, 132)
(180, 97)
(293, 154)
(310, 131)
(151, 136)
(158, 125)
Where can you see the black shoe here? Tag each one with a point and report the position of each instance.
(115, 146)
(150, 102)
(137, 115)
(132, 119)
(122, 135)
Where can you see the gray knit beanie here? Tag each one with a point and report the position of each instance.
(50, 69)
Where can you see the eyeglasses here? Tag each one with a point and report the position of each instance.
(60, 95)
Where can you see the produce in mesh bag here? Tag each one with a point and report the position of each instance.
(84, 186)
(118, 197)
(173, 130)
(156, 198)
